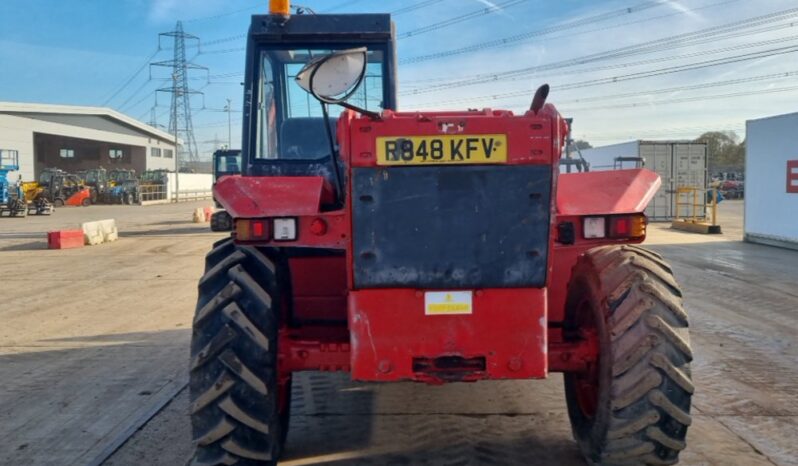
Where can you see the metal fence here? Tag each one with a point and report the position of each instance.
(161, 194)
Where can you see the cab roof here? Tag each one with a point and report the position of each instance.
(320, 28)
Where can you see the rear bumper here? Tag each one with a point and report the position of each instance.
(392, 339)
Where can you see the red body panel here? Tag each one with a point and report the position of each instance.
(316, 299)
(531, 139)
(606, 192)
(259, 196)
(389, 329)
(78, 198)
(389, 337)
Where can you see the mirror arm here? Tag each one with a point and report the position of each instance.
(339, 190)
(368, 113)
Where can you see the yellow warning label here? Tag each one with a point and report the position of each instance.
(448, 302)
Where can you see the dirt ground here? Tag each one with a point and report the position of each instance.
(94, 341)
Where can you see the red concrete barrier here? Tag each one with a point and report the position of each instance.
(65, 239)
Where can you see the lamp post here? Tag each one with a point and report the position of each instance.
(229, 110)
(177, 149)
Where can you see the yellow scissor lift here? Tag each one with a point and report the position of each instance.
(694, 212)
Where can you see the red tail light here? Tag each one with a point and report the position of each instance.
(627, 226)
(252, 230)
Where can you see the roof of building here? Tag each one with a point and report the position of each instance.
(23, 109)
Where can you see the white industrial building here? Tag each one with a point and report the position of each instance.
(78, 138)
(680, 164)
(771, 181)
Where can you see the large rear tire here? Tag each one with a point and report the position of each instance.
(238, 413)
(633, 407)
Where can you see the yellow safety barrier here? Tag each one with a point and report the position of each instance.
(700, 215)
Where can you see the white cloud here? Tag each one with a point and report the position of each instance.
(496, 8)
(683, 9)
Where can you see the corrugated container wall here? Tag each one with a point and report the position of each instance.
(678, 163)
(771, 181)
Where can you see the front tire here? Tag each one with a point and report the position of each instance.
(633, 407)
(237, 413)
(221, 221)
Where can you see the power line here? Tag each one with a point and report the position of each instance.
(667, 43)
(229, 13)
(123, 107)
(527, 92)
(730, 82)
(650, 61)
(212, 52)
(687, 99)
(581, 32)
(659, 132)
(537, 32)
(459, 19)
(343, 5)
(680, 68)
(132, 77)
(414, 7)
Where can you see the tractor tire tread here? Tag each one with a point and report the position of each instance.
(233, 376)
(651, 384)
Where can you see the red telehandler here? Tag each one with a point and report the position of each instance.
(428, 246)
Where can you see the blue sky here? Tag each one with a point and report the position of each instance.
(81, 52)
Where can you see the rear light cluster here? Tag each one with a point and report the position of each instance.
(614, 226)
(278, 229)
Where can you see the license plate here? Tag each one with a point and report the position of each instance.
(448, 302)
(444, 149)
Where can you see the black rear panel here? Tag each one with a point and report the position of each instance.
(451, 227)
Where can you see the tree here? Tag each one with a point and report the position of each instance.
(725, 150)
(581, 144)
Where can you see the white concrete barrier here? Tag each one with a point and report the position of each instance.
(100, 231)
(199, 215)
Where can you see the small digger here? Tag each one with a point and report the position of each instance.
(436, 247)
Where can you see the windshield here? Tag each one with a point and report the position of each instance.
(45, 177)
(229, 163)
(92, 177)
(290, 121)
(121, 176)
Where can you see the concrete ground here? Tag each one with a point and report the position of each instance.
(94, 342)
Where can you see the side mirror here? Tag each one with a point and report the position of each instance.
(333, 78)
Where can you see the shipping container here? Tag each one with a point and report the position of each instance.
(678, 163)
(771, 181)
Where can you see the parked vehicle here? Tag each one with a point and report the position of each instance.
(225, 162)
(123, 187)
(97, 180)
(60, 188)
(12, 198)
(154, 184)
(125, 192)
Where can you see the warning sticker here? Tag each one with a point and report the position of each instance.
(448, 302)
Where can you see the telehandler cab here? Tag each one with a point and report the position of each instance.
(428, 246)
